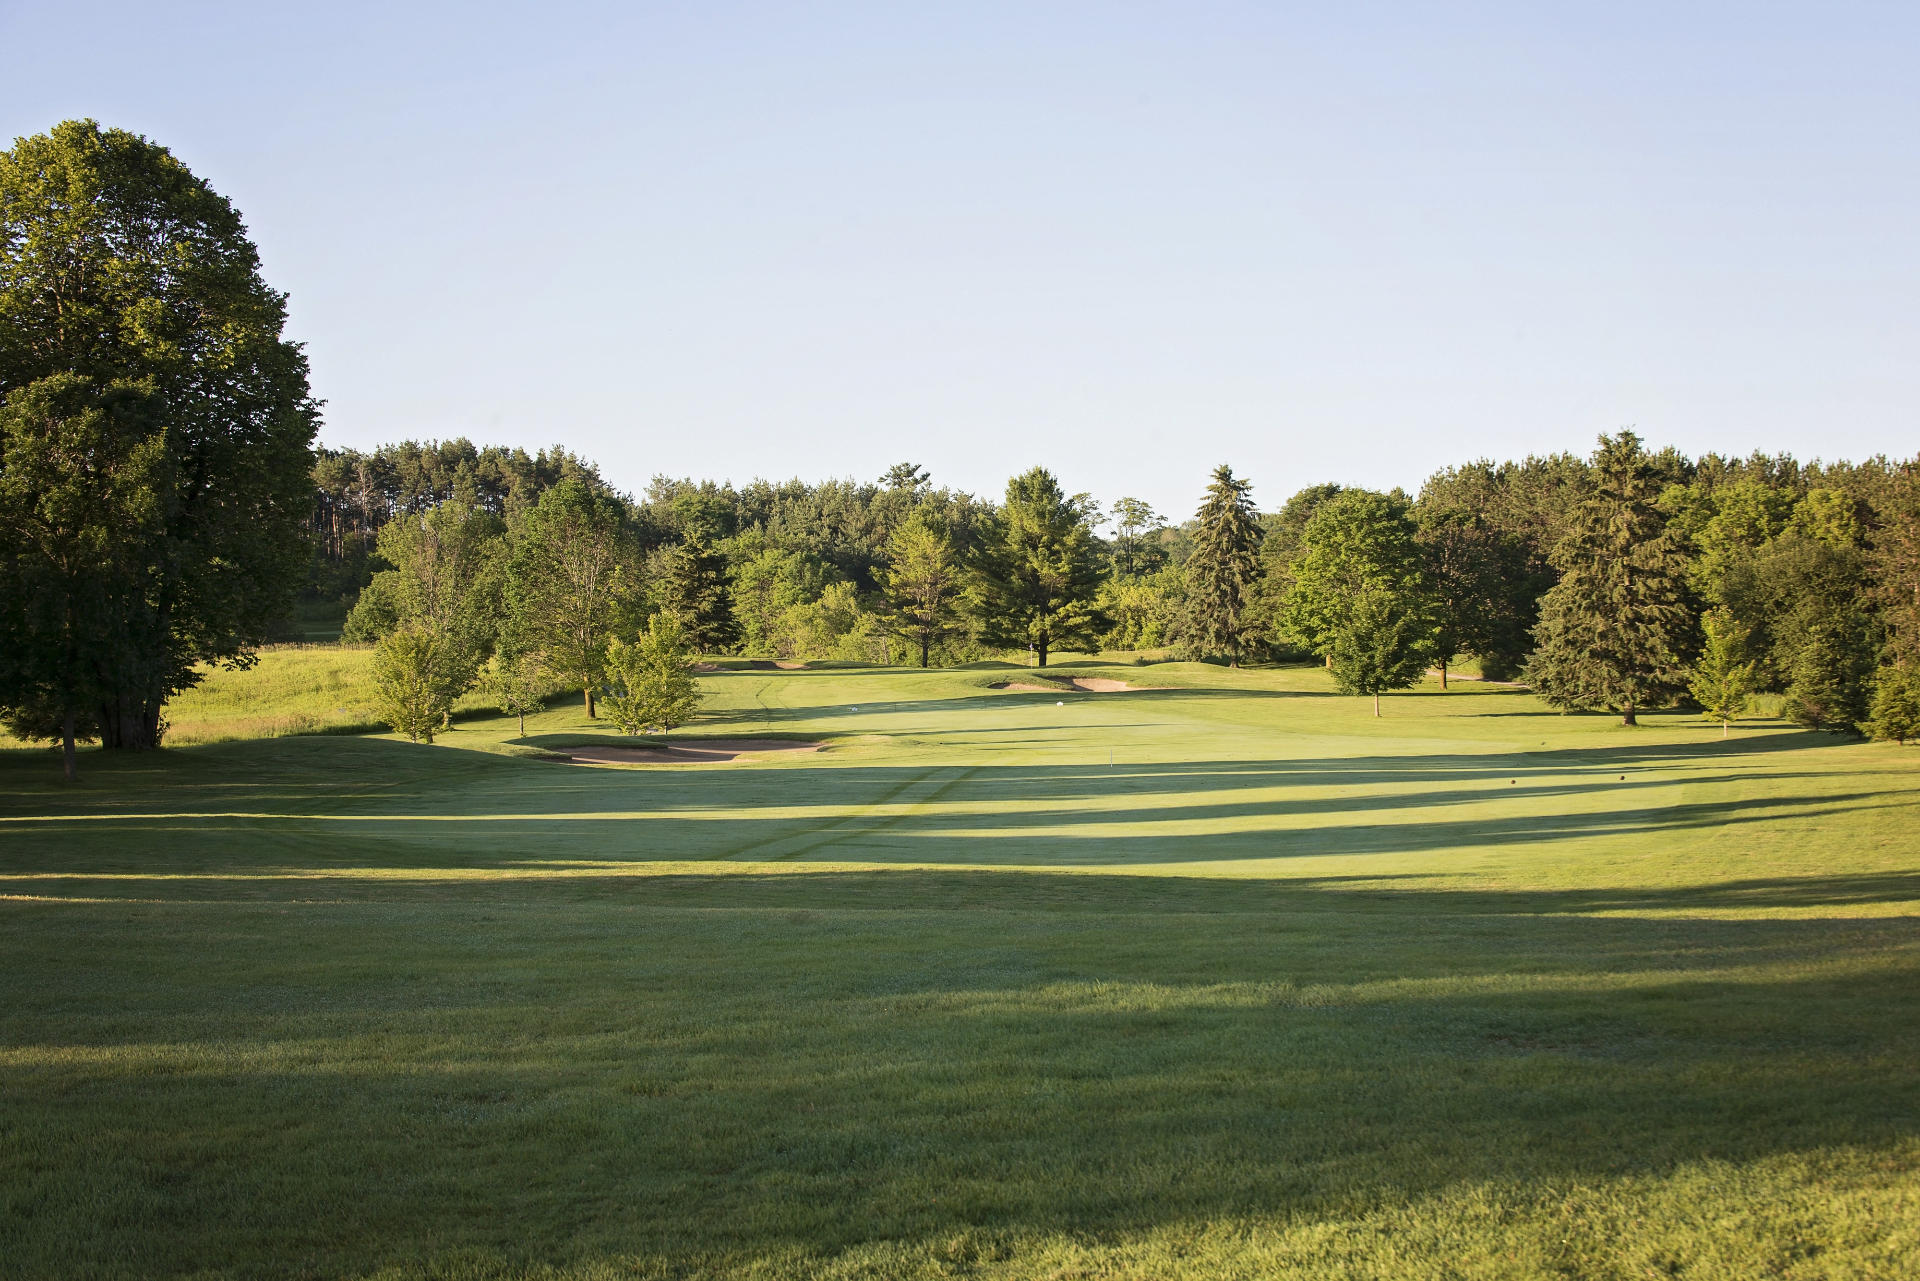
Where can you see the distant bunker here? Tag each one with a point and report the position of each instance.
(705, 751)
(1081, 684)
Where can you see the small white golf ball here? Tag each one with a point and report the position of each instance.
(1059, 704)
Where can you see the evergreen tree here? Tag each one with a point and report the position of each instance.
(922, 583)
(1224, 569)
(1615, 631)
(1036, 581)
(572, 583)
(1896, 564)
(698, 597)
(651, 685)
(1722, 680)
(1896, 703)
(1473, 569)
(1829, 678)
(1381, 642)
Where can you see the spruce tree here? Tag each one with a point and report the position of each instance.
(1224, 570)
(1896, 703)
(1616, 630)
(698, 597)
(1036, 580)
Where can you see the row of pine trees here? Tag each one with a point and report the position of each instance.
(1628, 580)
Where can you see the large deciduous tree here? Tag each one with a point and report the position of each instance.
(1224, 570)
(573, 583)
(1617, 630)
(1357, 546)
(120, 268)
(1036, 580)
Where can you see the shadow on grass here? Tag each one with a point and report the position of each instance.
(768, 1075)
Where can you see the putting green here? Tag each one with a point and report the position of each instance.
(1223, 978)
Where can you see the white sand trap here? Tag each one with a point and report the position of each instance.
(702, 751)
(1085, 684)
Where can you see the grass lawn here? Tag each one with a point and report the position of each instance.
(1227, 978)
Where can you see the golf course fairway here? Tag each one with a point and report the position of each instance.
(1217, 975)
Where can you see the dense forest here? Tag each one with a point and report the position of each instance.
(1626, 580)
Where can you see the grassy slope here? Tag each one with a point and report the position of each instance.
(1285, 990)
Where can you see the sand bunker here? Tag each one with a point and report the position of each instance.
(1084, 684)
(753, 665)
(703, 751)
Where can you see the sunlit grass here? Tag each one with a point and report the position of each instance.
(1470, 990)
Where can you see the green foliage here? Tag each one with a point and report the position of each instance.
(515, 685)
(1896, 703)
(1895, 576)
(1383, 642)
(1616, 631)
(1144, 612)
(572, 583)
(120, 268)
(696, 594)
(650, 681)
(1137, 549)
(923, 583)
(1223, 572)
(1722, 680)
(835, 626)
(1036, 580)
(1480, 584)
(1832, 668)
(82, 471)
(768, 581)
(1357, 546)
(449, 567)
(415, 681)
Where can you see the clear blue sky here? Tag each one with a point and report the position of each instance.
(1319, 241)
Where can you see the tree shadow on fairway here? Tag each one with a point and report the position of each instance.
(752, 1069)
(375, 803)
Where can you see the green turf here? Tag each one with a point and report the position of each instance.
(1284, 990)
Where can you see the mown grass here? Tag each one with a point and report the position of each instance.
(1471, 990)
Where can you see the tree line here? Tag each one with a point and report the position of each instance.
(161, 504)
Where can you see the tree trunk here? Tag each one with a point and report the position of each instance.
(1040, 652)
(1626, 717)
(1376, 702)
(923, 651)
(1723, 729)
(588, 691)
(69, 765)
(1329, 660)
(1443, 673)
(129, 725)
(523, 725)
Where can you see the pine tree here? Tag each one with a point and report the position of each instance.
(1828, 679)
(1615, 631)
(922, 585)
(1721, 681)
(698, 597)
(1224, 570)
(1896, 703)
(1036, 580)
